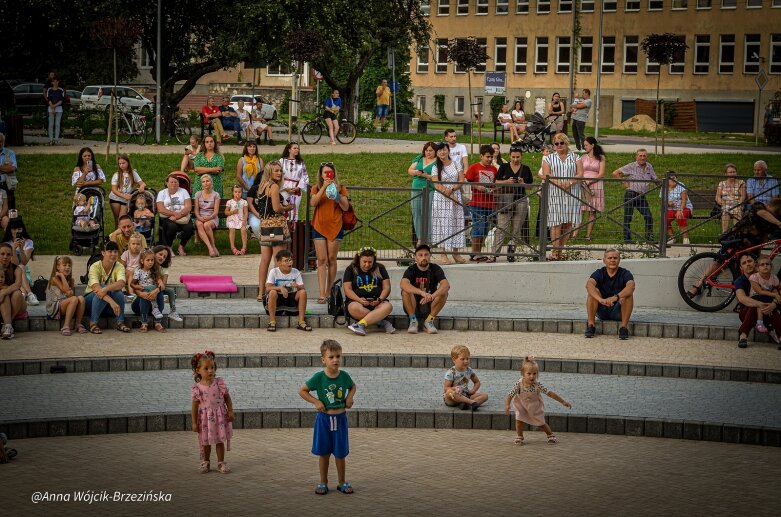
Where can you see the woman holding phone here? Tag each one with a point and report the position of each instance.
(87, 173)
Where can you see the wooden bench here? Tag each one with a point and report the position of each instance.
(423, 125)
(499, 127)
(703, 202)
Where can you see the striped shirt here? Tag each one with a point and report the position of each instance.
(638, 177)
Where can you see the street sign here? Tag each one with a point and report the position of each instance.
(495, 83)
(318, 75)
(761, 79)
(391, 58)
(394, 86)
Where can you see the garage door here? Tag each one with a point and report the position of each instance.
(725, 116)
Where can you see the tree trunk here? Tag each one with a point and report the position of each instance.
(656, 123)
(471, 103)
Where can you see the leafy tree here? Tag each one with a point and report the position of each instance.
(467, 53)
(663, 49)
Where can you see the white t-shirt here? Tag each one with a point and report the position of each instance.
(91, 176)
(173, 202)
(289, 280)
(457, 152)
(126, 187)
(516, 114)
(504, 118)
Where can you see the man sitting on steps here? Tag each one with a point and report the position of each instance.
(424, 291)
(610, 295)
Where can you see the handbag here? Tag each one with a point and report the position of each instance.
(274, 229)
(349, 219)
(586, 194)
(39, 288)
(183, 220)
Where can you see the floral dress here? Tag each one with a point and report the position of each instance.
(730, 197)
(216, 161)
(213, 413)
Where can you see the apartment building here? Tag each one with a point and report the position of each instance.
(729, 42)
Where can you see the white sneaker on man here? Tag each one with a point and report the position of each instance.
(8, 331)
(32, 299)
(387, 326)
(174, 316)
(429, 327)
(413, 327)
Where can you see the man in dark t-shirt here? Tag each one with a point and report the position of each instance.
(424, 291)
(610, 295)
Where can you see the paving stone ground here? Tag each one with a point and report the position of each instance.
(400, 472)
(167, 391)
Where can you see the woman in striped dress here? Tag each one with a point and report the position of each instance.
(447, 207)
(560, 170)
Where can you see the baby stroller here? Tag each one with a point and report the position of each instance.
(144, 225)
(92, 235)
(184, 180)
(533, 140)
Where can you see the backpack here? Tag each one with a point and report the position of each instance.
(39, 288)
(336, 303)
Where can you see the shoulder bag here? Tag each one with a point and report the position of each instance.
(273, 228)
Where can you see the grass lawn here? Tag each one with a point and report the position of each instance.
(44, 194)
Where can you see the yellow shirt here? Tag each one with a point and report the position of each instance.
(98, 275)
(383, 96)
(123, 243)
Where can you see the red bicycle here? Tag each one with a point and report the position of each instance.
(717, 289)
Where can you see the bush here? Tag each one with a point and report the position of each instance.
(773, 134)
(496, 105)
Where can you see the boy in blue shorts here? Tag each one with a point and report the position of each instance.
(335, 391)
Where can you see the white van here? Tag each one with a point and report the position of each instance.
(99, 97)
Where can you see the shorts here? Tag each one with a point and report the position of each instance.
(461, 390)
(282, 301)
(609, 313)
(331, 435)
(317, 236)
(329, 115)
(481, 220)
(382, 110)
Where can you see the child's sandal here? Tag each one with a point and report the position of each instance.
(159, 327)
(272, 326)
(552, 439)
(321, 489)
(223, 467)
(65, 331)
(204, 468)
(82, 329)
(235, 251)
(345, 488)
(519, 440)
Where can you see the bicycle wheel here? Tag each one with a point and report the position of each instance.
(312, 132)
(139, 130)
(710, 298)
(347, 132)
(125, 128)
(182, 131)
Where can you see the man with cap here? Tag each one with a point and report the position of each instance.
(424, 291)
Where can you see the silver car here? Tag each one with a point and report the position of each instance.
(267, 111)
(99, 97)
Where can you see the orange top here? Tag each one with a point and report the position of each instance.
(328, 215)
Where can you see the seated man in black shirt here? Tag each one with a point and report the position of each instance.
(424, 291)
(610, 295)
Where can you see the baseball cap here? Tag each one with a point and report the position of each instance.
(423, 247)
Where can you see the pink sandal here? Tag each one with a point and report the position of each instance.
(552, 440)
(235, 251)
(223, 467)
(65, 331)
(82, 329)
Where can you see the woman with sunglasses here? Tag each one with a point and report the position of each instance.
(366, 288)
(560, 170)
(329, 199)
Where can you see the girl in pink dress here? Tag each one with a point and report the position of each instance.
(212, 411)
(592, 163)
(526, 398)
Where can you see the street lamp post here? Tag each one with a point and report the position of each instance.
(599, 71)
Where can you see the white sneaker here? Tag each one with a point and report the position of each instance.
(358, 329)
(686, 240)
(32, 299)
(671, 242)
(429, 327)
(389, 328)
(174, 316)
(8, 331)
(157, 314)
(413, 327)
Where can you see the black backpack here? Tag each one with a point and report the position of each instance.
(336, 303)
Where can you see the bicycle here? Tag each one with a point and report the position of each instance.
(312, 132)
(717, 289)
(131, 124)
(181, 132)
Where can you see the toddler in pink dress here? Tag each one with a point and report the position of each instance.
(212, 411)
(526, 398)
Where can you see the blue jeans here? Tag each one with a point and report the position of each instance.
(54, 125)
(637, 200)
(579, 133)
(481, 221)
(96, 307)
(143, 307)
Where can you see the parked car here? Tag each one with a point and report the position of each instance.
(75, 98)
(99, 97)
(268, 111)
(28, 97)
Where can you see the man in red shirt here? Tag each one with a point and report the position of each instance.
(483, 173)
(211, 115)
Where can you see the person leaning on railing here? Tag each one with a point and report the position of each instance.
(730, 196)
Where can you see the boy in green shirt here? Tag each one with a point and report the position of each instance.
(335, 391)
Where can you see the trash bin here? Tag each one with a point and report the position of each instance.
(402, 122)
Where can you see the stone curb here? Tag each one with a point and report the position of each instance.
(446, 323)
(583, 366)
(389, 418)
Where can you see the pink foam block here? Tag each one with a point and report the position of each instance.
(206, 278)
(211, 287)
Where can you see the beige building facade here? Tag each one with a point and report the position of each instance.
(729, 43)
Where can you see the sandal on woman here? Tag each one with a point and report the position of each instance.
(272, 326)
(321, 300)
(181, 251)
(81, 329)
(459, 259)
(143, 328)
(552, 440)
(519, 440)
(122, 327)
(303, 326)
(223, 467)
(159, 327)
(65, 331)
(321, 489)
(345, 488)
(243, 251)
(481, 258)
(94, 329)
(259, 297)
(204, 468)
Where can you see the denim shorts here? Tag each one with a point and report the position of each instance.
(481, 220)
(317, 236)
(382, 110)
(606, 313)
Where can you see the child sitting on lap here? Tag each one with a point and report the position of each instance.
(457, 392)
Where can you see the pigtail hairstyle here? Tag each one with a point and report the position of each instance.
(195, 362)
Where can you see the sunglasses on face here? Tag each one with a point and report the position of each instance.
(558, 143)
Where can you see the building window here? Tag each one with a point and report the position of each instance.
(521, 57)
(586, 55)
(420, 103)
(541, 56)
(565, 6)
(462, 8)
(279, 69)
(775, 53)
(502, 6)
(143, 58)
(655, 5)
(443, 8)
(704, 4)
(422, 64)
(586, 6)
(632, 5)
(500, 54)
(754, 4)
(483, 42)
(441, 56)
(479, 105)
(651, 68)
(609, 7)
(458, 109)
(776, 3)
(631, 51)
(727, 54)
(563, 48)
(481, 7)
(543, 7)
(702, 54)
(608, 54)
(751, 52)
(680, 4)
(522, 7)
(729, 4)
(677, 65)
(425, 7)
